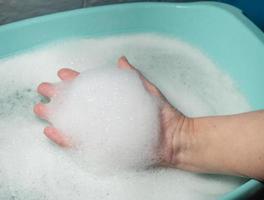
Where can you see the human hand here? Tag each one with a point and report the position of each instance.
(175, 127)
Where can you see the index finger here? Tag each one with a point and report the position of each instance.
(67, 74)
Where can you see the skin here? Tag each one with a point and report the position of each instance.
(224, 144)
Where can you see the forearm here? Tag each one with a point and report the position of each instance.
(226, 144)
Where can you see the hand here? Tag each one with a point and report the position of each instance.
(175, 127)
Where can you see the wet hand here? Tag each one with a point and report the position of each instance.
(175, 127)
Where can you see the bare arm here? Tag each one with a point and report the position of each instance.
(225, 144)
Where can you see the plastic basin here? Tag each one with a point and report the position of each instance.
(219, 30)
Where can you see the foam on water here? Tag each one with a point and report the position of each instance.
(32, 167)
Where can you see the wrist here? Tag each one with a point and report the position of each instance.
(197, 152)
(189, 146)
(183, 143)
(179, 139)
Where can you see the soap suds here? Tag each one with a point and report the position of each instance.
(32, 167)
(110, 117)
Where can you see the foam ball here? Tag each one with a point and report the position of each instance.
(110, 117)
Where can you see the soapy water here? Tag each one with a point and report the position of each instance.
(32, 167)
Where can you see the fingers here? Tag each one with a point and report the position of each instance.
(46, 89)
(49, 90)
(51, 132)
(41, 111)
(67, 74)
(56, 136)
(124, 64)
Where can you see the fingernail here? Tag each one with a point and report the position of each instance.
(124, 58)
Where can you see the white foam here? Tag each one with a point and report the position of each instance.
(111, 118)
(31, 167)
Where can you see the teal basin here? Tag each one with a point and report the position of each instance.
(219, 30)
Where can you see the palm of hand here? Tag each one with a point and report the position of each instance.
(170, 119)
